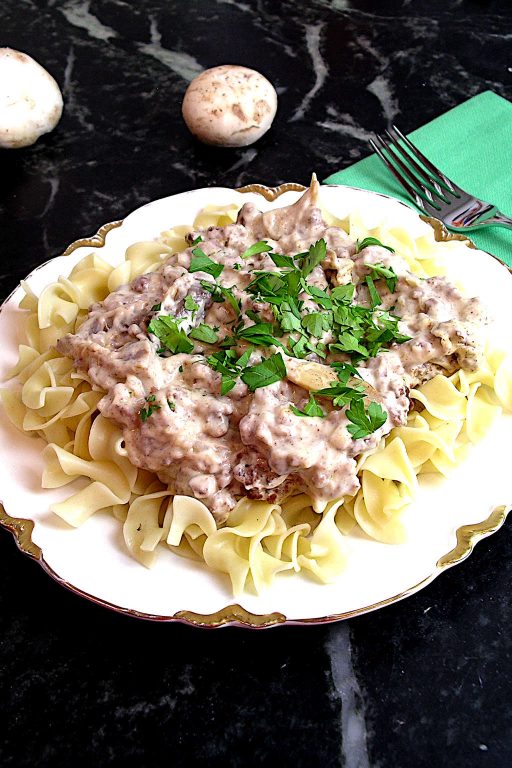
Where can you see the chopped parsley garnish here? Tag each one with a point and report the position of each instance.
(365, 421)
(343, 294)
(371, 241)
(349, 343)
(317, 322)
(388, 273)
(259, 334)
(166, 329)
(261, 247)
(289, 316)
(145, 413)
(267, 372)
(198, 239)
(268, 286)
(220, 293)
(191, 305)
(156, 307)
(341, 394)
(345, 371)
(229, 365)
(283, 261)
(229, 296)
(310, 409)
(336, 325)
(374, 294)
(172, 406)
(204, 333)
(314, 256)
(320, 296)
(200, 262)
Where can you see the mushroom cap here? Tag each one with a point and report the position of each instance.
(229, 106)
(30, 100)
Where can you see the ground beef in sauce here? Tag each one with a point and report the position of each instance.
(218, 448)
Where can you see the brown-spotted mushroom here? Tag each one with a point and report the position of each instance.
(30, 100)
(229, 106)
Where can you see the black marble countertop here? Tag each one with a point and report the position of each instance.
(425, 682)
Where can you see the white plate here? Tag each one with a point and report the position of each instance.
(92, 560)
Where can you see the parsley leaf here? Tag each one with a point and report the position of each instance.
(348, 342)
(289, 316)
(388, 273)
(310, 409)
(190, 304)
(220, 293)
(321, 297)
(283, 261)
(261, 247)
(343, 294)
(145, 413)
(374, 294)
(156, 307)
(294, 283)
(204, 333)
(371, 241)
(259, 334)
(341, 394)
(315, 255)
(298, 346)
(229, 366)
(345, 371)
(267, 285)
(364, 421)
(166, 329)
(200, 262)
(198, 239)
(317, 322)
(230, 297)
(172, 406)
(267, 372)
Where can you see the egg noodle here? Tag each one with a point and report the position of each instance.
(57, 403)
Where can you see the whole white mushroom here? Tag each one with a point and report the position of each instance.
(30, 100)
(229, 106)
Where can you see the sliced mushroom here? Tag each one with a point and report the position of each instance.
(308, 375)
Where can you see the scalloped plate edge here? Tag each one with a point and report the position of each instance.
(467, 536)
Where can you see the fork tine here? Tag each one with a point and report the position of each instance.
(412, 192)
(422, 190)
(449, 185)
(421, 172)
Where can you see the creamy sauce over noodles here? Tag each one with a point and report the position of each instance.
(218, 448)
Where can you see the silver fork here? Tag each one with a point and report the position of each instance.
(434, 194)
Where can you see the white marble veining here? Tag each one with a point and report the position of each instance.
(72, 103)
(345, 689)
(77, 13)
(246, 157)
(183, 64)
(428, 690)
(54, 184)
(320, 69)
(382, 89)
(344, 124)
(241, 6)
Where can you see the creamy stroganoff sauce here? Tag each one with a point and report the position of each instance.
(254, 441)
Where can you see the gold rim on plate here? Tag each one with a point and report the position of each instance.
(234, 614)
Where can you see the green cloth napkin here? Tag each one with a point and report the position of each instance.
(472, 145)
